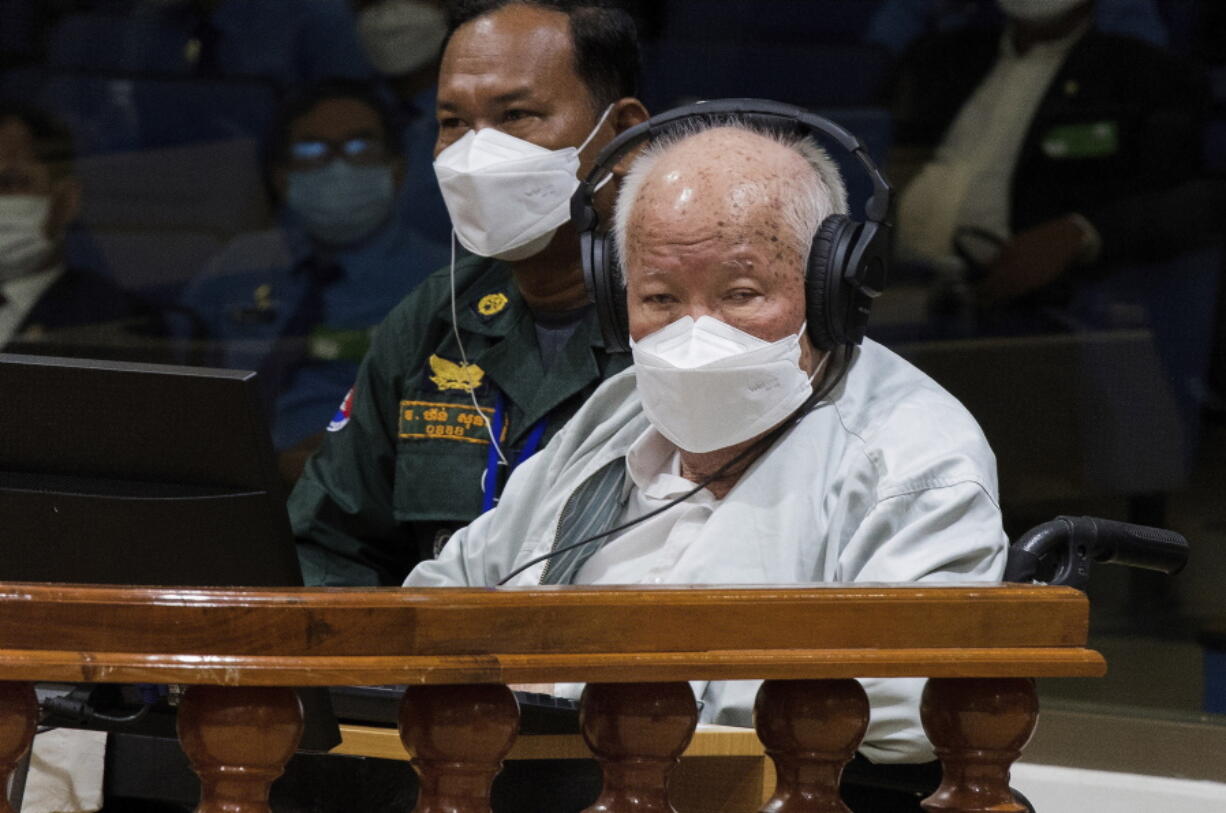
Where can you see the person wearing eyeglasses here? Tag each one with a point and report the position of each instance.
(298, 303)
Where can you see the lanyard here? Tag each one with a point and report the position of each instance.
(489, 481)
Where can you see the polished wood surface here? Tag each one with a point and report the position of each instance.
(457, 737)
(338, 636)
(978, 729)
(722, 770)
(238, 741)
(811, 729)
(979, 645)
(637, 732)
(709, 741)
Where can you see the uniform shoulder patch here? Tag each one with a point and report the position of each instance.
(341, 419)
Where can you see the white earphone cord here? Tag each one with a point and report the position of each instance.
(455, 328)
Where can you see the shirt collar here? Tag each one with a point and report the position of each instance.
(654, 465)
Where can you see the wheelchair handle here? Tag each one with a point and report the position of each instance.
(1073, 543)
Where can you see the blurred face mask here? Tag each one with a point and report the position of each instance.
(507, 196)
(24, 246)
(400, 36)
(706, 385)
(1037, 11)
(340, 203)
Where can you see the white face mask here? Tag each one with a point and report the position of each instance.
(400, 36)
(1037, 11)
(706, 385)
(24, 247)
(507, 196)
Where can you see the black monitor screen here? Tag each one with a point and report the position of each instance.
(124, 473)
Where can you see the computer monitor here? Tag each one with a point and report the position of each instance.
(116, 472)
(125, 473)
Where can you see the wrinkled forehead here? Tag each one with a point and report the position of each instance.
(725, 170)
(733, 190)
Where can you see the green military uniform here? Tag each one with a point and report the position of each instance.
(403, 462)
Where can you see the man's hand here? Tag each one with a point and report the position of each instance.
(1033, 259)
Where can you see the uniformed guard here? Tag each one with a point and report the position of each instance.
(502, 345)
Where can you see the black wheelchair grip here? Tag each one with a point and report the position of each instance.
(1141, 546)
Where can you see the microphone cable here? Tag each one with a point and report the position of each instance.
(842, 364)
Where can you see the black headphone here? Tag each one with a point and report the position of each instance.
(847, 263)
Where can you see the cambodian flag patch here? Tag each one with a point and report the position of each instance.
(341, 419)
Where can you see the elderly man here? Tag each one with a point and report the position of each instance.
(502, 344)
(886, 478)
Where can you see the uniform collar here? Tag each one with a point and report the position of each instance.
(492, 306)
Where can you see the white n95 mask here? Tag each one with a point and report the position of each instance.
(706, 385)
(1037, 11)
(506, 196)
(24, 246)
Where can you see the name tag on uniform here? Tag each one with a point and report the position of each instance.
(1094, 140)
(421, 420)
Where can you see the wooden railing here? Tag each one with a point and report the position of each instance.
(239, 650)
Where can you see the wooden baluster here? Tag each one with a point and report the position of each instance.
(637, 731)
(457, 737)
(18, 719)
(238, 740)
(978, 727)
(811, 729)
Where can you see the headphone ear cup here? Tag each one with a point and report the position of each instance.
(606, 289)
(825, 290)
(617, 297)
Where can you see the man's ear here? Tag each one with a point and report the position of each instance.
(627, 113)
(65, 206)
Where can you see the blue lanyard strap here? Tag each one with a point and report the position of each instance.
(490, 482)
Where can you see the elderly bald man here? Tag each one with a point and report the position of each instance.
(883, 477)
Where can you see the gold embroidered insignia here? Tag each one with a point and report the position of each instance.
(451, 376)
(491, 304)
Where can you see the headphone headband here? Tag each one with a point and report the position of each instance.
(763, 113)
(847, 261)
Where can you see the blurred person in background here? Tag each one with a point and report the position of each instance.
(403, 40)
(298, 303)
(898, 23)
(1052, 142)
(41, 297)
(285, 41)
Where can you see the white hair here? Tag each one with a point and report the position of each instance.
(810, 200)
